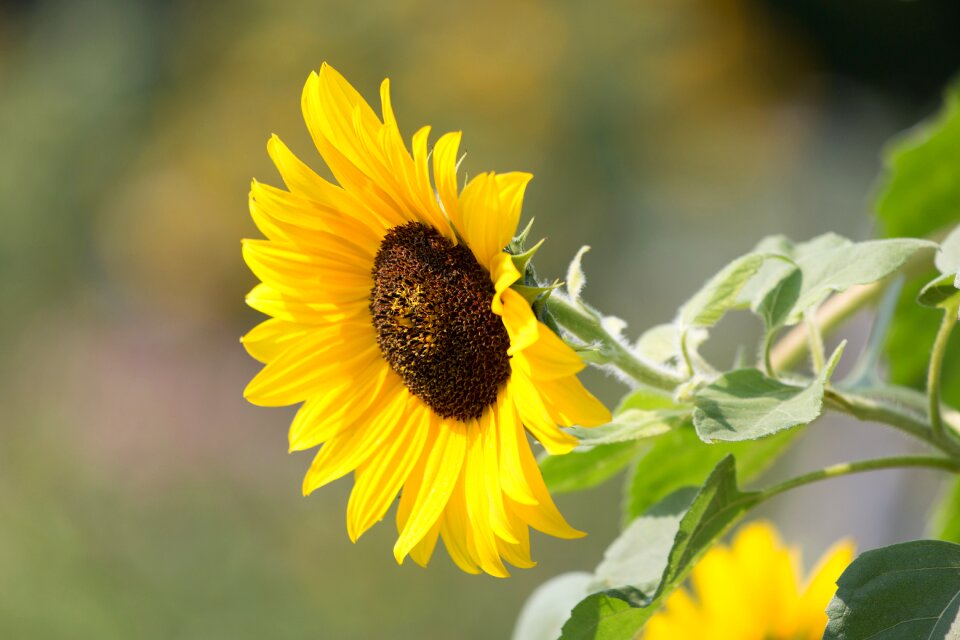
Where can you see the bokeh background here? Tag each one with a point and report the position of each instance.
(140, 497)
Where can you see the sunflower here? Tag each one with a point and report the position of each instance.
(751, 591)
(393, 320)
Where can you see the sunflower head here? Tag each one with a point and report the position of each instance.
(752, 590)
(420, 370)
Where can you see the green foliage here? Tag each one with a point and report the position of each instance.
(603, 616)
(582, 469)
(939, 291)
(922, 191)
(680, 459)
(902, 592)
(919, 196)
(828, 263)
(618, 614)
(775, 305)
(947, 259)
(720, 293)
(746, 405)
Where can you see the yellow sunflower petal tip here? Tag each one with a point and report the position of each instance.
(404, 368)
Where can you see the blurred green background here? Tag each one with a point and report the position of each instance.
(140, 497)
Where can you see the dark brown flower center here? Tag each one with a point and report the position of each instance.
(431, 308)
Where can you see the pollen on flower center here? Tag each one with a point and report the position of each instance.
(431, 308)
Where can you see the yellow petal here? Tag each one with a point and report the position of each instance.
(272, 302)
(549, 358)
(439, 478)
(543, 516)
(512, 478)
(503, 273)
(445, 176)
(536, 417)
(346, 451)
(378, 480)
(479, 204)
(569, 403)
(272, 337)
(340, 406)
(308, 367)
(479, 504)
(521, 324)
(457, 534)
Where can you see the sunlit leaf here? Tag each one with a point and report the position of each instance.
(775, 305)
(720, 293)
(746, 405)
(947, 259)
(906, 591)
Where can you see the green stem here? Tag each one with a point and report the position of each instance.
(860, 466)
(935, 370)
(586, 325)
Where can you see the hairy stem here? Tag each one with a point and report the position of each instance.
(860, 466)
(585, 324)
(935, 370)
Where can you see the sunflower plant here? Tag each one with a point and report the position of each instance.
(430, 362)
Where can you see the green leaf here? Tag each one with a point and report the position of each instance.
(680, 459)
(603, 616)
(948, 257)
(620, 614)
(939, 291)
(828, 263)
(582, 469)
(633, 424)
(921, 193)
(909, 341)
(638, 557)
(774, 271)
(775, 305)
(841, 267)
(660, 344)
(906, 591)
(548, 607)
(591, 465)
(946, 519)
(720, 294)
(746, 405)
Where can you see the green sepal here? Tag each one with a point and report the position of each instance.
(516, 245)
(522, 260)
(533, 294)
